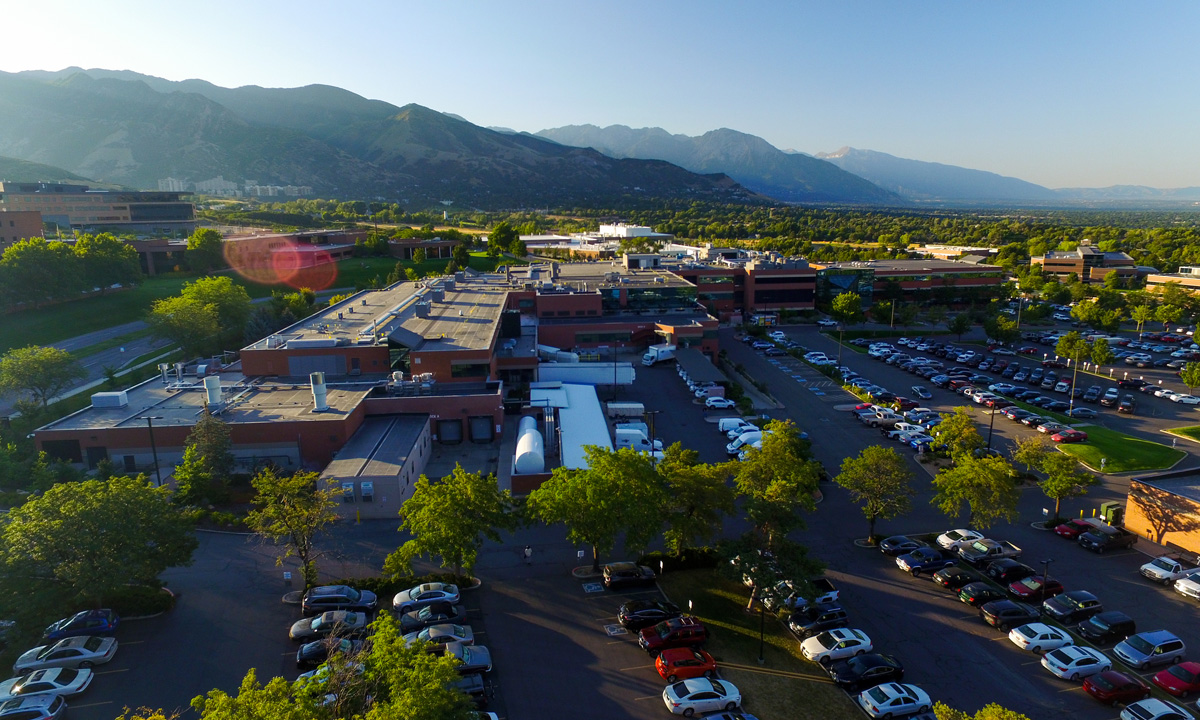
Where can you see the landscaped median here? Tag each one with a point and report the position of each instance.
(1191, 432)
(785, 685)
(1120, 452)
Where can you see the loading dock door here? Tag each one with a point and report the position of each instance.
(450, 432)
(481, 429)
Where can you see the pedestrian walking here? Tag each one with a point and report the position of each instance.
(528, 554)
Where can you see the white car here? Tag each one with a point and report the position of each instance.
(954, 539)
(1154, 709)
(1188, 587)
(719, 403)
(54, 681)
(777, 335)
(741, 430)
(687, 697)
(1186, 399)
(73, 652)
(826, 322)
(1039, 637)
(835, 645)
(894, 700)
(1072, 662)
(37, 707)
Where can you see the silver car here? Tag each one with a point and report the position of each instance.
(472, 658)
(415, 598)
(41, 707)
(441, 634)
(53, 681)
(72, 652)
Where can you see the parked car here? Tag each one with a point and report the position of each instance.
(1073, 662)
(1107, 537)
(38, 707)
(688, 697)
(314, 653)
(815, 619)
(435, 614)
(836, 644)
(86, 622)
(1110, 396)
(1157, 647)
(1179, 680)
(639, 614)
(1006, 614)
(1072, 529)
(440, 635)
(418, 597)
(1112, 687)
(719, 403)
(1007, 571)
(924, 560)
(920, 392)
(684, 631)
(977, 594)
(1081, 413)
(1039, 637)
(1107, 626)
(1035, 588)
(472, 659)
(52, 681)
(900, 544)
(1127, 405)
(1072, 606)
(1154, 709)
(954, 539)
(81, 651)
(335, 622)
(953, 578)
(337, 597)
(864, 671)
(684, 662)
(1069, 436)
(627, 574)
(894, 700)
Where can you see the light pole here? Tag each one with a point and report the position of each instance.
(651, 414)
(153, 448)
(991, 427)
(1045, 576)
(761, 631)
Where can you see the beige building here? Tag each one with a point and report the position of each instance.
(19, 225)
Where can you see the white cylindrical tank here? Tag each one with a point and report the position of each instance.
(529, 422)
(318, 390)
(212, 389)
(531, 455)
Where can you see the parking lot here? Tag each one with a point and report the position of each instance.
(946, 648)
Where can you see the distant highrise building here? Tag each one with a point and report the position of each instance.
(171, 184)
(217, 186)
(81, 207)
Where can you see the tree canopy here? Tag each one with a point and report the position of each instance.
(291, 510)
(205, 250)
(878, 479)
(698, 497)
(777, 481)
(40, 372)
(985, 485)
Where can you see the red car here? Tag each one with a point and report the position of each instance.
(1072, 529)
(1112, 687)
(1027, 350)
(1031, 589)
(685, 662)
(1180, 680)
(683, 631)
(1069, 436)
(903, 403)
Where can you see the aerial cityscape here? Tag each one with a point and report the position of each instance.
(507, 361)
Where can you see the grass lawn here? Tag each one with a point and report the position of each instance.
(66, 320)
(785, 685)
(1191, 433)
(1123, 453)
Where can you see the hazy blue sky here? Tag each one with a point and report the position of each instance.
(1059, 93)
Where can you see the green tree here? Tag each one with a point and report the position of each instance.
(450, 519)
(462, 255)
(518, 249)
(1030, 451)
(210, 437)
(186, 323)
(776, 481)
(1001, 328)
(105, 260)
(1190, 375)
(229, 300)
(193, 482)
(205, 251)
(698, 497)
(959, 325)
(1075, 348)
(847, 310)
(1056, 293)
(907, 314)
(959, 434)
(936, 314)
(618, 492)
(1141, 314)
(878, 479)
(291, 510)
(35, 271)
(1168, 314)
(503, 235)
(1112, 280)
(95, 538)
(1065, 478)
(882, 311)
(418, 256)
(1102, 353)
(988, 712)
(986, 485)
(40, 372)
(411, 275)
(277, 700)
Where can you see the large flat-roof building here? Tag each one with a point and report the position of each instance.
(944, 282)
(1187, 277)
(1087, 262)
(79, 206)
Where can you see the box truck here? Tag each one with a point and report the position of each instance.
(626, 409)
(658, 353)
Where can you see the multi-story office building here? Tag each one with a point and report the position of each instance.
(78, 206)
(1087, 262)
(19, 225)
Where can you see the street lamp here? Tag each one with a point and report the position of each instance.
(1045, 576)
(153, 448)
(991, 428)
(651, 414)
(762, 624)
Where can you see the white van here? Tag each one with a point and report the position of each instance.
(745, 438)
(724, 425)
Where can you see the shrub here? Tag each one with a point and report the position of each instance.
(138, 600)
(690, 559)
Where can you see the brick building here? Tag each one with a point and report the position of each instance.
(18, 225)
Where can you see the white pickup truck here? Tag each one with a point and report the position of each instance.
(1166, 570)
(882, 419)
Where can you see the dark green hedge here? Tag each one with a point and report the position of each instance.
(690, 559)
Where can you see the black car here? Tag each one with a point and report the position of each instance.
(435, 614)
(1106, 537)
(1127, 405)
(1057, 406)
(1005, 615)
(900, 545)
(1072, 606)
(1132, 383)
(1093, 394)
(338, 597)
(816, 619)
(865, 671)
(638, 614)
(953, 578)
(478, 689)
(312, 654)
(977, 594)
(1109, 626)
(1007, 571)
(627, 574)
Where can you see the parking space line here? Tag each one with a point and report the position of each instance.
(111, 672)
(95, 704)
(636, 667)
(132, 642)
(648, 697)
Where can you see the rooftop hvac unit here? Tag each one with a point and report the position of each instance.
(438, 295)
(421, 309)
(319, 391)
(450, 286)
(117, 399)
(460, 276)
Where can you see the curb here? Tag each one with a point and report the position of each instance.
(224, 532)
(153, 615)
(584, 571)
(293, 598)
(476, 583)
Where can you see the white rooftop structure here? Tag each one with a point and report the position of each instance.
(580, 419)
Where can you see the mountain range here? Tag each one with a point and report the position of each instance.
(132, 129)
